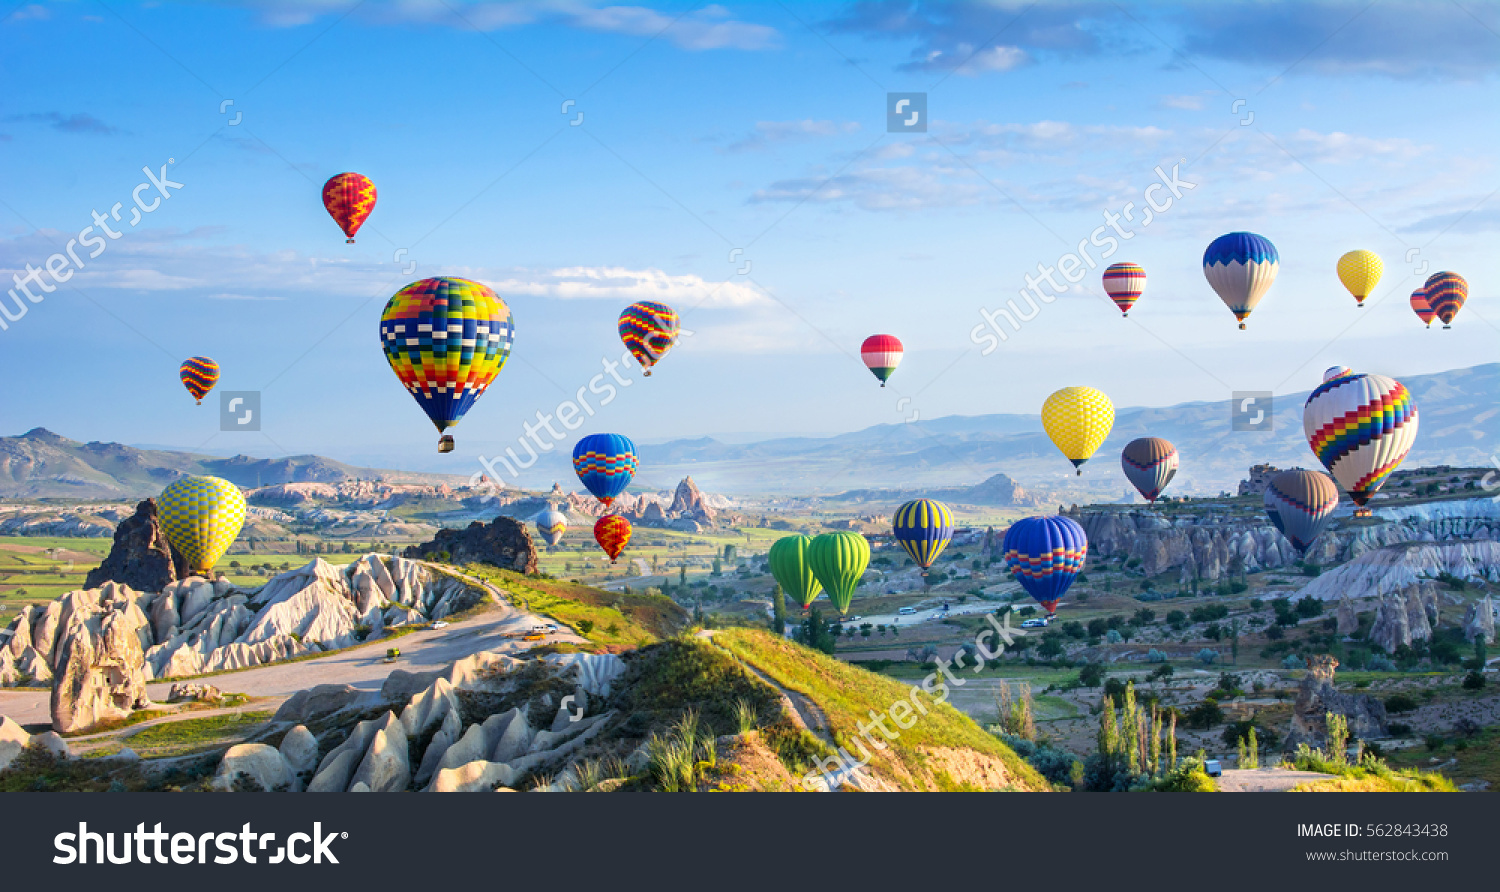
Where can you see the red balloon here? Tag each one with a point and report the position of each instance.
(612, 532)
(349, 198)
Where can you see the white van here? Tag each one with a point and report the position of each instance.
(907, 611)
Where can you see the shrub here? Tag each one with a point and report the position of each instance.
(1474, 681)
(1378, 663)
(1399, 703)
(1235, 732)
(585, 626)
(1190, 776)
(1206, 656)
(1293, 662)
(1205, 715)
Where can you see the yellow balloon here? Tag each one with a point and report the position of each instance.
(1077, 419)
(201, 517)
(1360, 272)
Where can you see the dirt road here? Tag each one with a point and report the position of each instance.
(1265, 780)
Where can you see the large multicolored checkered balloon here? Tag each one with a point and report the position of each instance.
(446, 339)
(199, 375)
(605, 463)
(649, 330)
(1045, 555)
(201, 517)
(1360, 427)
(349, 198)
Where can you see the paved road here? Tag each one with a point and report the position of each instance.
(363, 666)
(1265, 780)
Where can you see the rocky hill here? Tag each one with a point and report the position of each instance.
(41, 464)
(997, 491)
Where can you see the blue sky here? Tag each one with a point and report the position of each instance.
(753, 127)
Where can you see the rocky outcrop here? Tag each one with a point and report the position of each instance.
(1318, 696)
(186, 691)
(1479, 620)
(1394, 569)
(504, 542)
(1260, 478)
(688, 501)
(98, 660)
(1346, 617)
(255, 767)
(1404, 617)
(141, 557)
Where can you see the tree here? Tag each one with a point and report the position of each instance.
(682, 574)
(1091, 675)
(778, 611)
(816, 633)
(718, 568)
(1309, 607)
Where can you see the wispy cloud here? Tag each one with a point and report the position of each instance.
(622, 284)
(78, 122)
(768, 132)
(1191, 102)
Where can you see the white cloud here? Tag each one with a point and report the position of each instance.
(1185, 103)
(767, 132)
(622, 284)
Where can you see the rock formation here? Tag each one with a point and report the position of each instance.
(1404, 617)
(14, 739)
(141, 557)
(688, 502)
(1260, 478)
(1348, 620)
(1479, 621)
(504, 542)
(1318, 696)
(98, 661)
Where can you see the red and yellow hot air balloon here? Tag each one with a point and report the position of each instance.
(612, 532)
(1421, 307)
(649, 329)
(881, 353)
(349, 198)
(1446, 293)
(199, 374)
(1125, 282)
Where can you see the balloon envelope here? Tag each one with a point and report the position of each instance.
(1077, 419)
(1360, 271)
(446, 339)
(1300, 504)
(881, 353)
(1338, 371)
(349, 199)
(612, 532)
(1124, 282)
(552, 523)
(838, 560)
(1241, 266)
(1421, 307)
(201, 516)
(1360, 427)
(1446, 293)
(790, 567)
(1045, 555)
(648, 329)
(1149, 463)
(924, 528)
(605, 463)
(199, 375)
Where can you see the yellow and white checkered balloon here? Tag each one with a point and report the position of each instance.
(201, 517)
(1077, 419)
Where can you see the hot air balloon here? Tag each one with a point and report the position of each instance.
(199, 375)
(838, 560)
(923, 528)
(446, 339)
(1124, 282)
(649, 330)
(552, 523)
(1446, 293)
(1077, 419)
(1360, 427)
(1149, 464)
(1240, 267)
(1300, 503)
(881, 353)
(1360, 272)
(789, 564)
(201, 517)
(1421, 307)
(1338, 371)
(349, 198)
(1045, 555)
(605, 463)
(612, 532)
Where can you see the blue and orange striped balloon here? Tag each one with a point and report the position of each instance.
(605, 463)
(924, 528)
(1045, 555)
(199, 375)
(1446, 293)
(649, 329)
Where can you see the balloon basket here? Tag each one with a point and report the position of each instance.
(648, 373)
(445, 444)
(198, 403)
(348, 241)
(1242, 326)
(1446, 327)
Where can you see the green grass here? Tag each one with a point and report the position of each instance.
(619, 620)
(848, 694)
(189, 735)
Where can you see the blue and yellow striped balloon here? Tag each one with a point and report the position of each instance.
(924, 528)
(201, 517)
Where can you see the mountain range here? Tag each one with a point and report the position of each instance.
(1459, 415)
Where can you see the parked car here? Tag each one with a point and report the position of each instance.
(907, 611)
(1213, 768)
(1038, 623)
(440, 625)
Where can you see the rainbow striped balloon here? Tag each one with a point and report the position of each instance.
(1360, 427)
(1124, 282)
(199, 375)
(649, 330)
